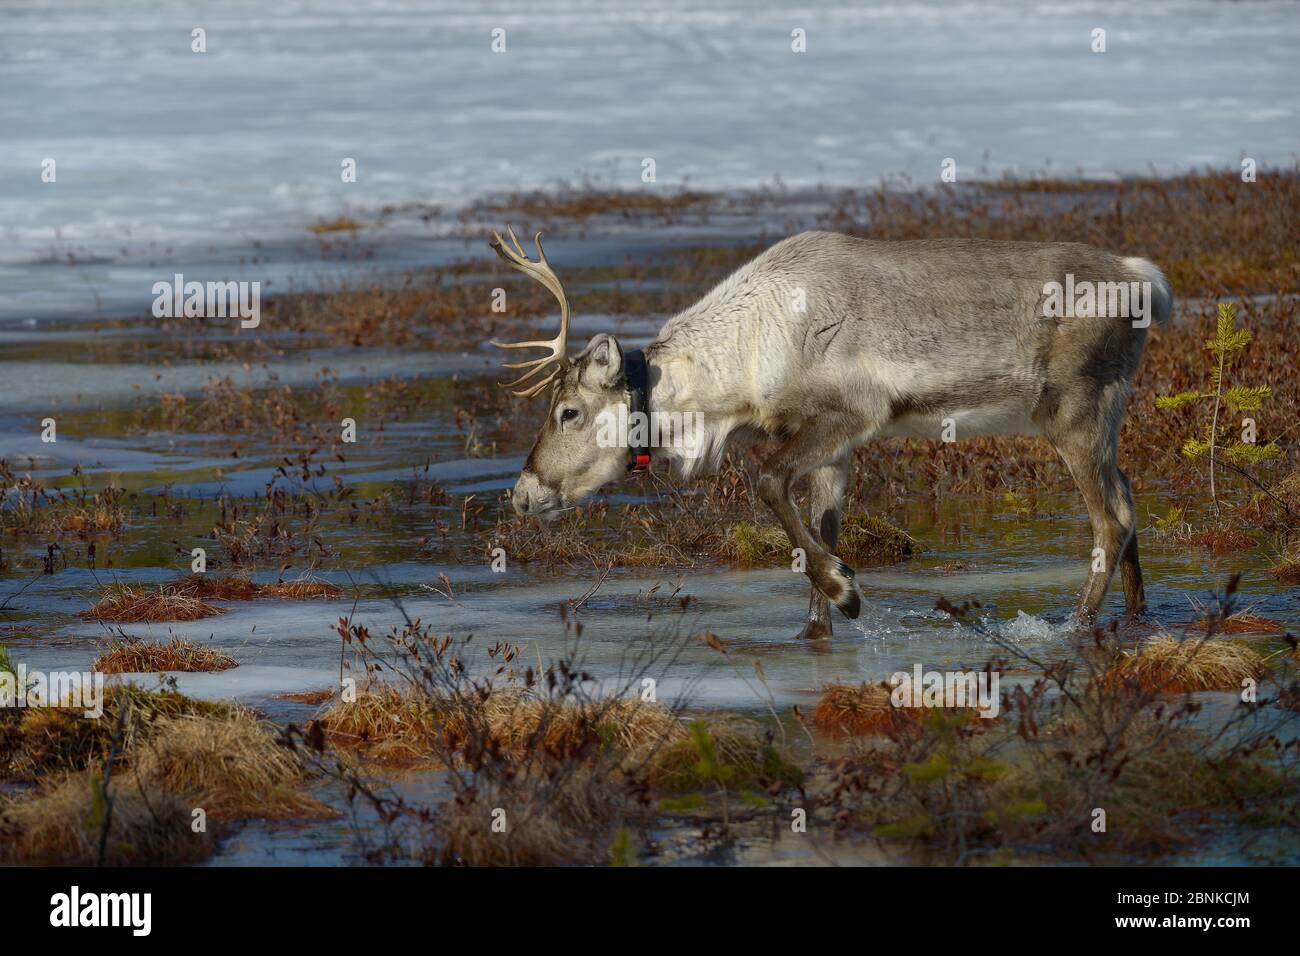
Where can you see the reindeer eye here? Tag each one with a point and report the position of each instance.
(568, 414)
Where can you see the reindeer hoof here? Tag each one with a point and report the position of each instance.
(836, 582)
(851, 607)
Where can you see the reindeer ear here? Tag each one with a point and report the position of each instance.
(602, 363)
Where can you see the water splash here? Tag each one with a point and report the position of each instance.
(1029, 629)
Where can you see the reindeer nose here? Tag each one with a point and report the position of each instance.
(530, 495)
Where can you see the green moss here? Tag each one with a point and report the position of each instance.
(935, 767)
(749, 545)
(621, 851)
(1016, 504)
(866, 540)
(913, 828)
(1026, 808)
(722, 753)
(682, 804)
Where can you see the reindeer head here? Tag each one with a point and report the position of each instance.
(572, 456)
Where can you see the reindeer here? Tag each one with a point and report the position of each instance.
(826, 341)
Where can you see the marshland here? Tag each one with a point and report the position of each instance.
(380, 653)
(289, 554)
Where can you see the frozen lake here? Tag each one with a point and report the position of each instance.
(217, 162)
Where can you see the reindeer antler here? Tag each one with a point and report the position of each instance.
(541, 271)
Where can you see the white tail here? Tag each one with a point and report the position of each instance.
(1147, 271)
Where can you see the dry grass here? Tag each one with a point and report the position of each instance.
(29, 508)
(578, 204)
(400, 726)
(517, 717)
(550, 820)
(175, 755)
(397, 727)
(1174, 666)
(425, 312)
(309, 696)
(59, 825)
(133, 656)
(125, 604)
(234, 588)
(855, 711)
(299, 590)
(1161, 791)
(50, 739)
(723, 522)
(844, 710)
(1209, 231)
(1287, 571)
(865, 541)
(1241, 623)
(231, 766)
(338, 224)
(539, 776)
(1218, 541)
(1164, 778)
(186, 599)
(1025, 787)
(88, 522)
(545, 780)
(583, 538)
(393, 726)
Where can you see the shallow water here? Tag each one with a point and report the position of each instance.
(105, 386)
(710, 90)
(1025, 571)
(290, 646)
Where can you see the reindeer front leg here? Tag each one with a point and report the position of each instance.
(813, 446)
(825, 501)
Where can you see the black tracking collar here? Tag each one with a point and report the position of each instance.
(638, 383)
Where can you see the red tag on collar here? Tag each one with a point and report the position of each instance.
(641, 462)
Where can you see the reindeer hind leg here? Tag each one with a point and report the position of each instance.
(1090, 450)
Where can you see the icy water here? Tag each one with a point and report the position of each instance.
(1025, 570)
(216, 163)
